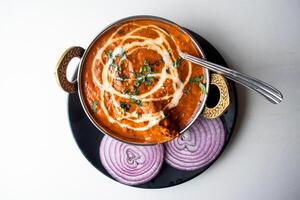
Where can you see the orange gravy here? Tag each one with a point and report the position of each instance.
(135, 83)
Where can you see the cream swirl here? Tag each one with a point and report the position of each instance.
(104, 82)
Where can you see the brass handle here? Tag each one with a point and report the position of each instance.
(61, 68)
(224, 100)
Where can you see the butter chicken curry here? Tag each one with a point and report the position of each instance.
(137, 86)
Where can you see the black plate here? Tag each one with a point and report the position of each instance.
(88, 137)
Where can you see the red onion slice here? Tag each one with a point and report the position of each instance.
(130, 164)
(198, 146)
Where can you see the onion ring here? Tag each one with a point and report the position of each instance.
(130, 164)
(198, 146)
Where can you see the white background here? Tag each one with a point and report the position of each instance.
(38, 156)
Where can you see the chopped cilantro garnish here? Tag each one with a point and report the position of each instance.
(109, 54)
(115, 66)
(146, 62)
(123, 55)
(146, 68)
(138, 81)
(126, 91)
(122, 61)
(177, 62)
(136, 91)
(120, 32)
(121, 78)
(149, 80)
(94, 105)
(143, 75)
(124, 106)
(198, 80)
(136, 101)
(202, 87)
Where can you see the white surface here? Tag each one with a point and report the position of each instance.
(39, 158)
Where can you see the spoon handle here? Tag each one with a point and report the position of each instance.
(266, 90)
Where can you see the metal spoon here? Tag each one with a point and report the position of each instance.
(266, 90)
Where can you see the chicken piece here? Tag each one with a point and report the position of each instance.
(150, 107)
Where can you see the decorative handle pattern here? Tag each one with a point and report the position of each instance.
(61, 68)
(224, 100)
